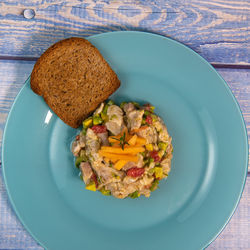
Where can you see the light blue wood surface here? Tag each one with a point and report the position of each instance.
(217, 29)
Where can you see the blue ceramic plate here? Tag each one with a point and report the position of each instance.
(209, 165)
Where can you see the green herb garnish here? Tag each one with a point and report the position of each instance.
(97, 120)
(110, 102)
(122, 105)
(136, 104)
(143, 154)
(154, 185)
(122, 140)
(146, 112)
(134, 195)
(104, 191)
(84, 131)
(78, 161)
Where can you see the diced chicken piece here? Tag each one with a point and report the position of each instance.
(128, 180)
(149, 134)
(82, 141)
(99, 109)
(94, 157)
(78, 144)
(128, 107)
(104, 138)
(139, 164)
(163, 135)
(131, 164)
(170, 146)
(145, 192)
(130, 185)
(102, 171)
(128, 165)
(166, 165)
(115, 116)
(92, 142)
(162, 130)
(135, 119)
(158, 125)
(145, 181)
(119, 190)
(76, 148)
(114, 128)
(107, 173)
(86, 171)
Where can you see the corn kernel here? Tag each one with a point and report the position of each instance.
(158, 172)
(88, 122)
(149, 147)
(91, 187)
(161, 153)
(163, 145)
(97, 120)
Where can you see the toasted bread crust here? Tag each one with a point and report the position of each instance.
(73, 78)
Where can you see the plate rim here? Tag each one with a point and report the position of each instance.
(243, 182)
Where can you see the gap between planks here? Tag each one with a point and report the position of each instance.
(215, 65)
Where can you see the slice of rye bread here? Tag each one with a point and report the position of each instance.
(73, 78)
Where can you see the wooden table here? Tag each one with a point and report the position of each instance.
(217, 29)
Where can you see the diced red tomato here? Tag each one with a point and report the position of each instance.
(94, 179)
(135, 172)
(154, 154)
(77, 137)
(99, 129)
(149, 119)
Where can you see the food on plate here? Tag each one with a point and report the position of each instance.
(123, 150)
(73, 78)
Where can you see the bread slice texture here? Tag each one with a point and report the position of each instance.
(73, 78)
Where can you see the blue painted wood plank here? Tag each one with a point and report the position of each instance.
(12, 233)
(216, 29)
(236, 233)
(240, 86)
(12, 77)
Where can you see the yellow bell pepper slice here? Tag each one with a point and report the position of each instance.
(113, 157)
(91, 186)
(120, 164)
(127, 150)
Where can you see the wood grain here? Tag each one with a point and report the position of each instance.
(216, 29)
(12, 232)
(236, 233)
(240, 86)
